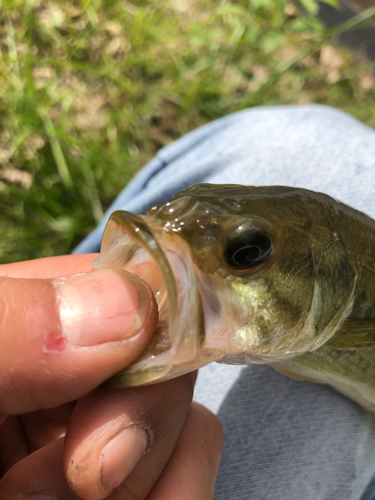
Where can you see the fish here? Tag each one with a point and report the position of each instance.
(271, 275)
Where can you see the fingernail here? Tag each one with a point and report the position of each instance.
(102, 306)
(121, 454)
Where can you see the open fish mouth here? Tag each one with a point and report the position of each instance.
(246, 275)
(141, 246)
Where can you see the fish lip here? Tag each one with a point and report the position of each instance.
(135, 227)
(124, 234)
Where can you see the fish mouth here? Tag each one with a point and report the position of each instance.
(140, 245)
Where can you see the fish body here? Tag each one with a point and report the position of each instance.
(276, 275)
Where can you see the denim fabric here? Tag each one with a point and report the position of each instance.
(285, 439)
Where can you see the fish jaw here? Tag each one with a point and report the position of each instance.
(203, 316)
(193, 328)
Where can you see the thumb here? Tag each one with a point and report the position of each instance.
(59, 339)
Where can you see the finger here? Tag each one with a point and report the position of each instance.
(41, 472)
(59, 340)
(13, 444)
(21, 435)
(192, 469)
(49, 267)
(42, 427)
(110, 431)
(39, 475)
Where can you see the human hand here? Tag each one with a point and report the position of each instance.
(61, 436)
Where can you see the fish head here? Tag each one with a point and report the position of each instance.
(235, 272)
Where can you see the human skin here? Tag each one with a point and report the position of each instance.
(62, 436)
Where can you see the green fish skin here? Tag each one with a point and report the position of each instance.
(276, 275)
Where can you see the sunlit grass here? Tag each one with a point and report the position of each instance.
(90, 90)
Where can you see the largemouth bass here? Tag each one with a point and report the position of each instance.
(275, 275)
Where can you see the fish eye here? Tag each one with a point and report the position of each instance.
(246, 247)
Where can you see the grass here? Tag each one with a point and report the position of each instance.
(90, 90)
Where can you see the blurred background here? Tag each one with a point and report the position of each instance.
(91, 89)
